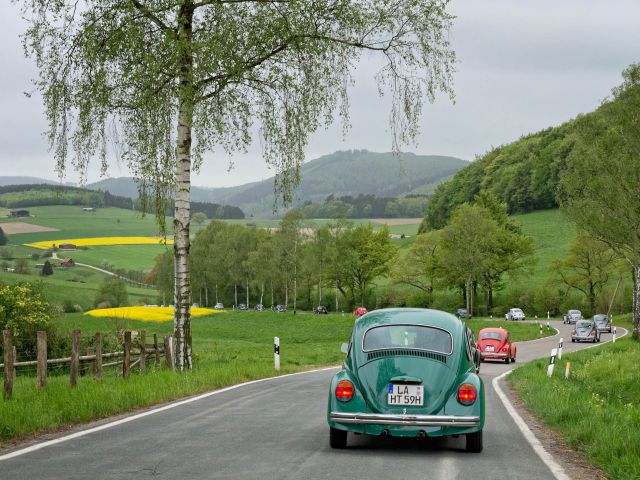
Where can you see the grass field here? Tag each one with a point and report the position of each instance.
(597, 410)
(128, 257)
(76, 285)
(229, 348)
(552, 235)
(74, 223)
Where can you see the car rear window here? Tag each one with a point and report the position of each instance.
(491, 336)
(419, 337)
(574, 312)
(583, 324)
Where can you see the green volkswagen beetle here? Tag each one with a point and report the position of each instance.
(408, 373)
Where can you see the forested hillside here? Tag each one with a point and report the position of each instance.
(523, 174)
(343, 173)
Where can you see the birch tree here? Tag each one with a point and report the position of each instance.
(158, 83)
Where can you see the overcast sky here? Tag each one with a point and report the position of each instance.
(522, 66)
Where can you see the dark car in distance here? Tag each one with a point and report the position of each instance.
(258, 307)
(462, 313)
(279, 308)
(320, 310)
(243, 307)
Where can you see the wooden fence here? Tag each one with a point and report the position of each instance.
(129, 357)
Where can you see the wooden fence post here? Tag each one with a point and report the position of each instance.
(156, 349)
(142, 338)
(75, 357)
(168, 350)
(42, 360)
(7, 336)
(15, 356)
(126, 365)
(97, 365)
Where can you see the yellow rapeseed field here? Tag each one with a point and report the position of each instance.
(148, 314)
(95, 241)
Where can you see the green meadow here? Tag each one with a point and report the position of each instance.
(596, 410)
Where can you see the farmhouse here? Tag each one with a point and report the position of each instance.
(19, 213)
(66, 246)
(68, 262)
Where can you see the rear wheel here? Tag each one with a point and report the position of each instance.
(337, 438)
(507, 360)
(513, 359)
(474, 442)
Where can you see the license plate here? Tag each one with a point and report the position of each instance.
(405, 395)
(489, 348)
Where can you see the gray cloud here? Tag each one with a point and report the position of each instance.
(522, 66)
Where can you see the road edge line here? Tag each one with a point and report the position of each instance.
(177, 403)
(555, 468)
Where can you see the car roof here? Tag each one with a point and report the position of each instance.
(494, 329)
(417, 316)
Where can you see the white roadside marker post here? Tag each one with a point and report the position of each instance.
(567, 371)
(548, 326)
(276, 353)
(548, 315)
(552, 361)
(540, 328)
(613, 339)
(560, 344)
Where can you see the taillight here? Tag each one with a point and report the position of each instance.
(592, 333)
(467, 394)
(344, 390)
(573, 333)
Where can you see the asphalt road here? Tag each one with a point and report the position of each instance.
(277, 429)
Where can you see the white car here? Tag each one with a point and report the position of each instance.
(218, 306)
(514, 314)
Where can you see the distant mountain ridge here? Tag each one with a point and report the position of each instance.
(341, 173)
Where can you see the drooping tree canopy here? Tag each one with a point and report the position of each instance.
(158, 83)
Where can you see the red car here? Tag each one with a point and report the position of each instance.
(495, 344)
(358, 312)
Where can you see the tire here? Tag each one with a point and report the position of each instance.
(507, 360)
(337, 438)
(513, 360)
(474, 442)
(573, 340)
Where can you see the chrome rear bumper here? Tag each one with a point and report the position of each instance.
(406, 420)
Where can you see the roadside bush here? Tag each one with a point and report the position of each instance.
(3, 237)
(47, 254)
(35, 256)
(47, 268)
(6, 253)
(21, 266)
(113, 291)
(24, 311)
(547, 299)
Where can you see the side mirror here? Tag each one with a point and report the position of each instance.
(344, 348)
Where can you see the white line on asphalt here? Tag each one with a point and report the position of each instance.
(557, 470)
(115, 423)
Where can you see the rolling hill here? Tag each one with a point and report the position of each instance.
(341, 173)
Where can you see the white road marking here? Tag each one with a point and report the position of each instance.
(115, 423)
(556, 469)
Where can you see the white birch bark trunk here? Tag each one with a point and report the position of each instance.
(182, 211)
(247, 293)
